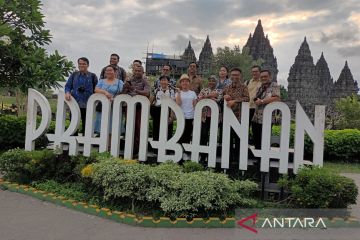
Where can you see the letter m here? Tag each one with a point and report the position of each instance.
(133, 104)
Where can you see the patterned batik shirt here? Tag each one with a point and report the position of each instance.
(238, 92)
(205, 92)
(263, 92)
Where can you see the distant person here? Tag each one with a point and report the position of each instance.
(234, 95)
(223, 78)
(135, 63)
(137, 85)
(223, 82)
(110, 87)
(81, 85)
(253, 85)
(267, 93)
(195, 79)
(166, 71)
(120, 73)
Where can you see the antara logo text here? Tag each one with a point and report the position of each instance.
(285, 222)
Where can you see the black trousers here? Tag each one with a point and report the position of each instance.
(204, 138)
(257, 132)
(187, 135)
(234, 147)
(251, 115)
(155, 113)
(83, 119)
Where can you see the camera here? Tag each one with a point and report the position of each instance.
(81, 89)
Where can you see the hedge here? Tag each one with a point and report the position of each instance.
(170, 188)
(13, 130)
(338, 144)
(176, 192)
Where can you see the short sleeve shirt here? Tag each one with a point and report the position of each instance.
(273, 90)
(239, 92)
(139, 84)
(205, 92)
(160, 93)
(187, 105)
(113, 89)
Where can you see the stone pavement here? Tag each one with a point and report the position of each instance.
(25, 218)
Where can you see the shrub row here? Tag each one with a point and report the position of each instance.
(12, 132)
(175, 190)
(338, 144)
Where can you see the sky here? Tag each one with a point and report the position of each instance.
(97, 28)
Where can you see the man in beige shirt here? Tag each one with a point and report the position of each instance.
(253, 84)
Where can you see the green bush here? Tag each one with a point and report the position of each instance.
(342, 144)
(167, 186)
(319, 188)
(12, 133)
(12, 166)
(21, 166)
(121, 180)
(348, 110)
(205, 192)
(338, 144)
(190, 166)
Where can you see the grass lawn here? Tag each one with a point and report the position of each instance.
(342, 167)
(7, 100)
(10, 100)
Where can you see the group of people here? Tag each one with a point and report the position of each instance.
(228, 86)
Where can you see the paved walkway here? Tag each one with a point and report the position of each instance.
(25, 218)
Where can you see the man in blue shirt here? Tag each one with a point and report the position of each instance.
(81, 85)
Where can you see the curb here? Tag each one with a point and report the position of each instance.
(121, 217)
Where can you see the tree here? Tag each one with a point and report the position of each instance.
(24, 62)
(283, 93)
(348, 111)
(235, 58)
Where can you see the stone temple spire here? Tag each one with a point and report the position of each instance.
(303, 81)
(325, 81)
(304, 54)
(189, 54)
(206, 58)
(259, 48)
(345, 85)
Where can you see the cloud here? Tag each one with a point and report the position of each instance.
(96, 28)
(347, 32)
(181, 42)
(352, 51)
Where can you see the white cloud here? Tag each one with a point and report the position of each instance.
(98, 28)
